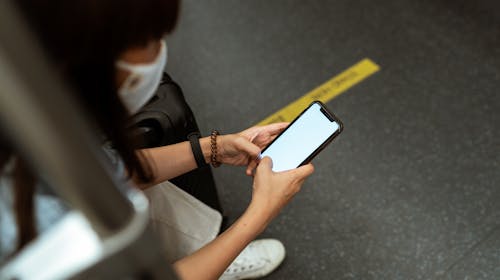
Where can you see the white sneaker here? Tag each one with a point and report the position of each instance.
(257, 260)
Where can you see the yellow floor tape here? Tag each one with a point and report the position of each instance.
(326, 91)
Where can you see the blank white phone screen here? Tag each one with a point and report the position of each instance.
(301, 139)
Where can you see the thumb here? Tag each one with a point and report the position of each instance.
(302, 172)
(265, 165)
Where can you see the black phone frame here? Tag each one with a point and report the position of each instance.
(330, 116)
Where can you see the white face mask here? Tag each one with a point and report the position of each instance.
(143, 80)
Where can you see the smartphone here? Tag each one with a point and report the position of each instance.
(304, 138)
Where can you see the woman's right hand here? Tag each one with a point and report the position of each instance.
(273, 190)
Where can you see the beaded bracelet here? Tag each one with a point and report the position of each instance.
(213, 147)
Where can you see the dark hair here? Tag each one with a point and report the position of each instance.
(84, 38)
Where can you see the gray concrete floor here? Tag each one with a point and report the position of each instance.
(410, 190)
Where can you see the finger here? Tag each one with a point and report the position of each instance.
(248, 147)
(251, 166)
(250, 132)
(254, 136)
(268, 133)
(271, 130)
(249, 170)
(276, 128)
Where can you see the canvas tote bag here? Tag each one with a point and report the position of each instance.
(183, 223)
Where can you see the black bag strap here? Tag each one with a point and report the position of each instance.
(166, 119)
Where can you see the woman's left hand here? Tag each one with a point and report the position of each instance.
(263, 135)
(244, 148)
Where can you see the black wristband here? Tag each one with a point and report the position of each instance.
(194, 139)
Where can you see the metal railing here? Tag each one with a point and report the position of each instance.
(52, 133)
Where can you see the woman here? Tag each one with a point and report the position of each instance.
(113, 54)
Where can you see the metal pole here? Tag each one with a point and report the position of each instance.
(50, 131)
